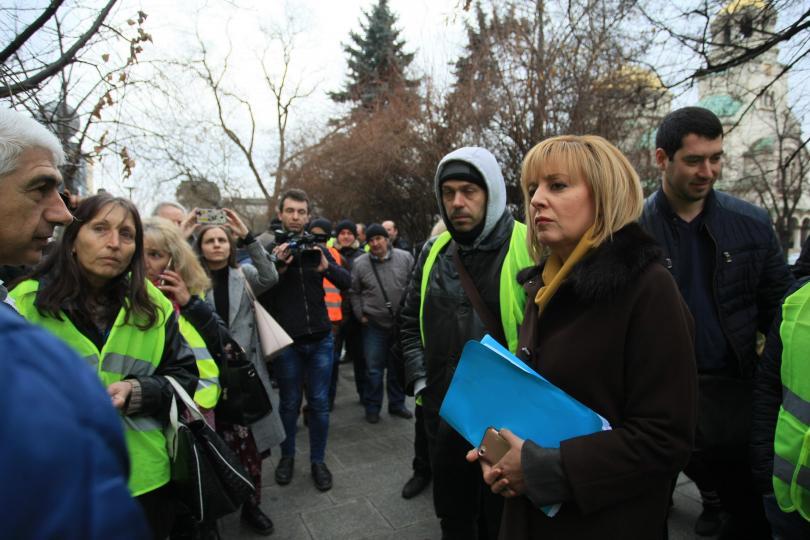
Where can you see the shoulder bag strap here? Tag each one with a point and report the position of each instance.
(385, 296)
(489, 320)
(248, 288)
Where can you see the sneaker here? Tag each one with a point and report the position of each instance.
(372, 417)
(284, 470)
(321, 476)
(402, 413)
(709, 521)
(253, 517)
(415, 486)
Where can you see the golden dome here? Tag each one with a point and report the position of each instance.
(738, 5)
(637, 75)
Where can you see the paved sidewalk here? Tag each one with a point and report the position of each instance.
(370, 464)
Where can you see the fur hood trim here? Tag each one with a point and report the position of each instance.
(610, 268)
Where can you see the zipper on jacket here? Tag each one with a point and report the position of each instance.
(306, 301)
(717, 303)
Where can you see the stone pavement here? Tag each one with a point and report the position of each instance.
(370, 464)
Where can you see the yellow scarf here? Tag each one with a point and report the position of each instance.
(555, 271)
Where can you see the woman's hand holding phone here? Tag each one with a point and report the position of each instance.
(504, 475)
(173, 286)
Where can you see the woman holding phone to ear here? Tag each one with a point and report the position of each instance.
(231, 299)
(172, 267)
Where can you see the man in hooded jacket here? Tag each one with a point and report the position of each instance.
(438, 319)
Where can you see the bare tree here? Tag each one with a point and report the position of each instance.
(19, 77)
(380, 166)
(714, 36)
(71, 68)
(777, 170)
(537, 69)
(285, 94)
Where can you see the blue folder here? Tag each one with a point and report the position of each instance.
(492, 387)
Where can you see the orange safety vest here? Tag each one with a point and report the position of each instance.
(332, 295)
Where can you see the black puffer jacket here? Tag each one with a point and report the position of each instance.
(750, 275)
(450, 320)
(766, 403)
(297, 301)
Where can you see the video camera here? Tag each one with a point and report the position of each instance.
(303, 245)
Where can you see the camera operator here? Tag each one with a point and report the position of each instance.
(297, 303)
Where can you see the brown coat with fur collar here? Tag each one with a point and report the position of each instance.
(618, 337)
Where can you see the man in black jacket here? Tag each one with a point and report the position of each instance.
(438, 319)
(297, 303)
(350, 332)
(726, 259)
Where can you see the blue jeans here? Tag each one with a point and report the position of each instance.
(376, 344)
(313, 361)
(784, 526)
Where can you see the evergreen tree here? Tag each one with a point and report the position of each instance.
(377, 62)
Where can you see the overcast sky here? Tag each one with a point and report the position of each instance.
(431, 28)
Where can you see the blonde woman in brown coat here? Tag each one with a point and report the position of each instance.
(605, 322)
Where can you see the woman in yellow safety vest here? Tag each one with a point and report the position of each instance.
(232, 300)
(92, 292)
(172, 266)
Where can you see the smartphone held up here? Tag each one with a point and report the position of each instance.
(211, 216)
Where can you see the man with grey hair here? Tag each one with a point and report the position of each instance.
(172, 211)
(63, 460)
(30, 203)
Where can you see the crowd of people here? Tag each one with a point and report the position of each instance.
(653, 313)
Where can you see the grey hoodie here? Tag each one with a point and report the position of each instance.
(487, 165)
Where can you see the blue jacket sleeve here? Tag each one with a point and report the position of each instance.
(63, 460)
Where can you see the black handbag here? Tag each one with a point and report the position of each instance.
(208, 478)
(244, 399)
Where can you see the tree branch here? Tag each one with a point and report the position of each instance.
(67, 58)
(18, 42)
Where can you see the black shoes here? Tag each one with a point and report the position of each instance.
(402, 413)
(709, 521)
(284, 470)
(372, 417)
(253, 517)
(415, 486)
(321, 476)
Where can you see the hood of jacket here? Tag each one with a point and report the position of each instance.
(487, 165)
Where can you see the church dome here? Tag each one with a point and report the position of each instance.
(722, 105)
(735, 6)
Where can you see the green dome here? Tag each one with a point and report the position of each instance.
(647, 139)
(765, 144)
(721, 105)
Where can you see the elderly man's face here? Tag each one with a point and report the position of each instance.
(30, 207)
(172, 213)
(391, 229)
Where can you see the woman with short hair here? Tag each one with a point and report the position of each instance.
(604, 322)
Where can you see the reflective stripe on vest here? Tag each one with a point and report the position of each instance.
(512, 298)
(128, 351)
(791, 462)
(208, 390)
(332, 296)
